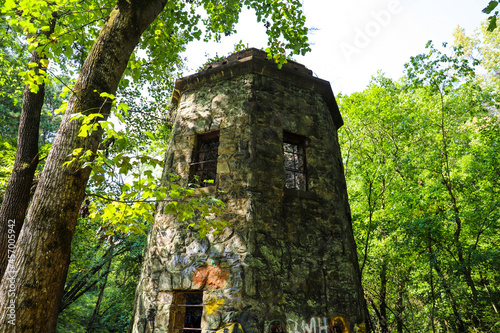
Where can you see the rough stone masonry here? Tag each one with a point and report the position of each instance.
(287, 262)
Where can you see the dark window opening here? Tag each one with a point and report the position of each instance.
(294, 154)
(204, 165)
(188, 311)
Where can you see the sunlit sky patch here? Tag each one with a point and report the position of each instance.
(354, 39)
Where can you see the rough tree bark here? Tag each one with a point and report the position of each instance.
(43, 248)
(17, 195)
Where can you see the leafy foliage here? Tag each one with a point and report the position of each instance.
(151, 68)
(482, 46)
(492, 5)
(422, 167)
(92, 250)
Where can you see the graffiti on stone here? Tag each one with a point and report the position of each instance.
(211, 276)
(231, 328)
(314, 325)
(338, 324)
(213, 306)
(276, 326)
(361, 328)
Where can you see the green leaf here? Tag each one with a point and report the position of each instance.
(150, 135)
(126, 187)
(84, 131)
(492, 23)
(8, 5)
(492, 5)
(124, 107)
(77, 151)
(107, 95)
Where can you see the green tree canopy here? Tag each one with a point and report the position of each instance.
(422, 167)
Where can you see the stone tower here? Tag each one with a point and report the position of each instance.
(267, 137)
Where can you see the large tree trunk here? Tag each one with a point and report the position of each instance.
(17, 195)
(43, 248)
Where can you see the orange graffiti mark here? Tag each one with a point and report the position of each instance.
(213, 277)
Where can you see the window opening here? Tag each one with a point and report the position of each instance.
(188, 312)
(295, 161)
(204, 167)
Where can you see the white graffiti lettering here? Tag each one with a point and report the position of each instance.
(315, 325)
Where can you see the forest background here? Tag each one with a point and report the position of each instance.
(421, 158)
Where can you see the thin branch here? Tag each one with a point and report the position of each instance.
(124, 201)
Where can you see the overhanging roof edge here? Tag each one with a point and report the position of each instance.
(257, 65)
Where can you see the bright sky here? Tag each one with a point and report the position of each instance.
(356, 38)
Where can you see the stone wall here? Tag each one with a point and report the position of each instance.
(288, 260)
